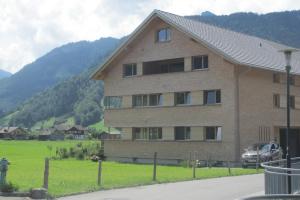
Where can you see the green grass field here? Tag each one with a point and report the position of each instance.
(74, 176)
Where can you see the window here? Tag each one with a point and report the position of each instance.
(276, 100)
(182, 133)
(113, 102)
(129, 70)
(292, 101)
(163, 35)
(212, 96)
(200, 62)
(163, 66)
(279, 101)
(140, 133)
(281, 78)
(139, 100)
(153, 133)
(146, 100)
(155, 99)
(276, 78)
(213, 133)
(182, 98)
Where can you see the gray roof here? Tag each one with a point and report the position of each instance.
(236, 47)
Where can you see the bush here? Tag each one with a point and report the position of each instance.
(80, 151)
(9, 188)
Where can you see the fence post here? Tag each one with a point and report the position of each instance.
(194, 169)
(154, 166)
(46, 173)
(190, 159)
(257, 158)
(229, 169)
(99, 171)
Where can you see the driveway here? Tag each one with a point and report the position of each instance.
(227, 188)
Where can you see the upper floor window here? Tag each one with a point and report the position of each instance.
(182, 98)
(146, 100)
(129, 69)
(152, 133)
(182, 133)
(213, 133)
(212, 96)
(113, 102)
(200, 62)
(163, 35)
(281, 78)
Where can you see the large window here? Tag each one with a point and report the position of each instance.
(152, 133)
(163, 66)
(113, 102)
(200, 62)
(182, 98)
(146, 100)
(182, 133)
(163, 35)
(129, 69)
(212, 96)
(213, 133)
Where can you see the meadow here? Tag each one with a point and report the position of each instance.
(70, 176)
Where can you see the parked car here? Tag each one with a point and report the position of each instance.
(264, 151)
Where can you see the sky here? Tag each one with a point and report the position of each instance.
(31, 28)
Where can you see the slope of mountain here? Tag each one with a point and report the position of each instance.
(4, 74)
(77, 100)
(57, 65)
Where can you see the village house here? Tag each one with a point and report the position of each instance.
(76, 131)
(11, 132)
(177, 86)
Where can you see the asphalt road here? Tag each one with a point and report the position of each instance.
(227, 188)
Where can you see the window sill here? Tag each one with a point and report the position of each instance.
(204, 69)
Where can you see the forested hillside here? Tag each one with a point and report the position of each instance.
(78, 99)
(59, 64)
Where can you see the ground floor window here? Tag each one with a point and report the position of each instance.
(182, 133)
(213, 133)
(148, 133)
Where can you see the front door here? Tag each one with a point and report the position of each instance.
(294, 140)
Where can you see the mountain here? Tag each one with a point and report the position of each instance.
(4, 74)
(77, 99)
(59, 64)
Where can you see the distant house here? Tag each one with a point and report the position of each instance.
(77, 131)
(13, 133)
(50, 134)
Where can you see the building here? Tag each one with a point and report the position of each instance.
(50, 134)
(11, 132)
(76, 131)
(179, 87)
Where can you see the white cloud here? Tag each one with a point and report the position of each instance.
(30, 28)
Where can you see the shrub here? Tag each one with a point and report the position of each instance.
(8, 187)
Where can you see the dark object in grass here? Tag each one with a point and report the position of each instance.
(8, 188)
